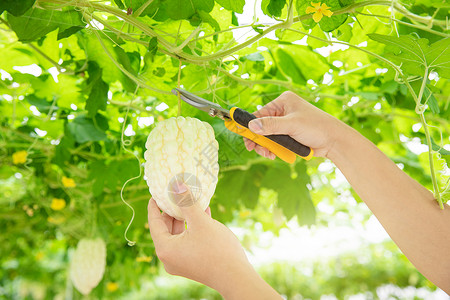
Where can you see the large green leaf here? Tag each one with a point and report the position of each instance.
(111, 73)
(293, 194)
(184, 9)
(41, 104)
(110, 174)
(311, 64)
(288, 67)
(233, 5)
(98, 90)
(36, 23)
(15, 7)
(85, 129)
(273, 7)
(415, 54)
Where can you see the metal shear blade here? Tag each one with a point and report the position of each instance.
(213, 109)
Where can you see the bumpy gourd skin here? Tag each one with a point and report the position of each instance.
(185, 148)
(88, 264)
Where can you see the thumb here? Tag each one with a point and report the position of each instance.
(188, 204)
(270, 125)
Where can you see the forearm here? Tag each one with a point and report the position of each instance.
(245, 283)
(406, 209)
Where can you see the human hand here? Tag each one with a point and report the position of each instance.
(206, 251)
(291, 115)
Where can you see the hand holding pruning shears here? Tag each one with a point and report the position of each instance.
(406, 209)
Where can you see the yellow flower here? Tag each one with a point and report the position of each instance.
(112, 286)
(144, 259)
(319, 11)
(56, 221)
(68, 182)
(57, 204)
(19, 157)
(244, 214)
(39, 255)
(30, 212)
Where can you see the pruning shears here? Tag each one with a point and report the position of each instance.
(237, 119)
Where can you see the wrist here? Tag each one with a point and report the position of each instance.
(343, 138)
(231, 279)
(244, 282)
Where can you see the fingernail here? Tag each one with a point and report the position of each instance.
(272, 156)
(255, 126)
(179, 188)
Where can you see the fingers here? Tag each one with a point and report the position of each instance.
(194, 215)
(169, 221)
(249, 144)
(187, 203)
(273, 108)
(156, 223)
(178, 226)
(271, 125)
(264, 152)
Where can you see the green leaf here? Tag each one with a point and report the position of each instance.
(258, 29)
(85, 129)
(16, 7)
(233, 5)
(97, 98)
(306, 211)
(288, 67)
(111, 174)
(36, 23)
(344, 32)
(437, 148)
(293, 194)
(151, 9)
(254, 57)
(209, 20)
(97, 89)
(153, 47)
(431, 101)
(310, 64)
(228, 189)
(414, 54)
(273, 7)
(315, 43)
(111, 73)
(119, 4)
(389, 87)
(41, 104)
(98, 175)
(234, 20)
(184, 9)
(63, 149)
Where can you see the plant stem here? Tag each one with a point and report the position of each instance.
(179, 86)
(437, 195)
(421, 27)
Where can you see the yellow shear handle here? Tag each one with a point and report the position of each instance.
(283, 153)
